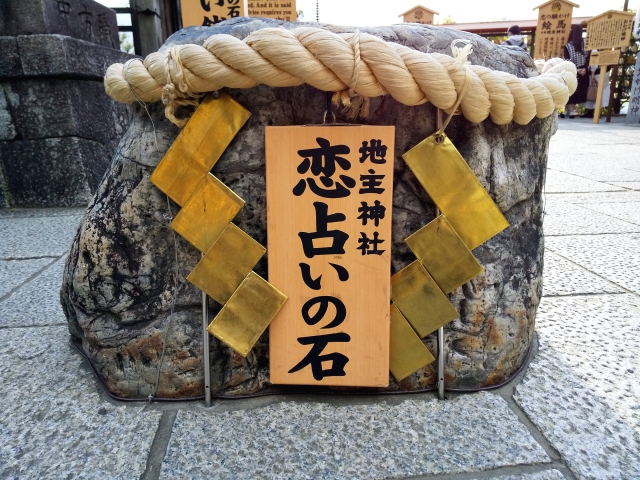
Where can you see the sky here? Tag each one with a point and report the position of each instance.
(385, 12)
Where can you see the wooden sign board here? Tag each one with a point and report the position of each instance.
(329, 199)
(604, 57)
(204, 13)
(608, 30)
(419, 14)
(278, 9)
(552, 31)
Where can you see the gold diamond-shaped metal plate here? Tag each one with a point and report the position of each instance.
(226, 264)
(407, 353)
(456, 191)
(419, 299)
(199, 146)
(247, 314)
(443, 253)
(207, 213)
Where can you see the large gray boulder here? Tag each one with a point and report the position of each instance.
(121, 282)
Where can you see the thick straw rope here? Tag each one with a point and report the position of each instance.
(351, 64)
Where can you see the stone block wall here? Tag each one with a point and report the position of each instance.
(83, 19)
(58, 129)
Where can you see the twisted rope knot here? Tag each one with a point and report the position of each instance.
(356, 66)
(177, 90)
(355, 105)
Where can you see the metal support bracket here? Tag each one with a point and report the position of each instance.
(205, 344)
(441, 363)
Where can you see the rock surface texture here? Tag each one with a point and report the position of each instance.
(130, 307)
(58, 129)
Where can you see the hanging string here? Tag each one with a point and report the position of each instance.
(169, 218)
(141, 102)
(173, 303)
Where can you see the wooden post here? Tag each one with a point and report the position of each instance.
(603, 75)
(147, 13)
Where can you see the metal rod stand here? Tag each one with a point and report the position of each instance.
(205, 344)
(440, 383)
(441, 363)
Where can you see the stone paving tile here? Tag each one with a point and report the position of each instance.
(628, 211)
(564, 182)
(297, 440)
(615, 257)
(53, 423)
(563, 277)
(594, 197)
(36, 303)
(598, 337)
(14, 273)
(563, 218)
(41, 212)
(604, 132)
(629, 185)
(37, 236)
(545, 475)
(600, 171)
(593, 440)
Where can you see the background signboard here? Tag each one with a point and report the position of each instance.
(196, 13)
(608, 30)
(279, 9)
(419, 14)
(604, 57)
(209, 12)
(552, 31)
(329, 198)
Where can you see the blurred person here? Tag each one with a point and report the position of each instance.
(574, 52)
(515, 38)
(590, 106)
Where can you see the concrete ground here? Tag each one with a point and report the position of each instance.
(573, 413)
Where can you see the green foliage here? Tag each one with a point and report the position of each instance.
(448, 20)
(625, 75)
(497, 39)
(125, 44)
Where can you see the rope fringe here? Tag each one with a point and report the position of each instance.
(355, 66)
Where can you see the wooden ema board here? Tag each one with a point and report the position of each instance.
(604, 57)
(609, 30)
(278, 9)
(552, 31)
(204, 13)
(333, 330)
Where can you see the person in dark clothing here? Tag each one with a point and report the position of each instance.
(574, 52)
(515, 38)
